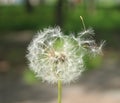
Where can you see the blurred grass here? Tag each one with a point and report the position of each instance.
(17, 18)
(105, 21)
(93, 62)
(102, 19)
(29, 77)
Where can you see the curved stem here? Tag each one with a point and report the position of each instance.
(83, 22)
(59, 91)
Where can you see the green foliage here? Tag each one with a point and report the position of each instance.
(102, 19)
(17, 18)
(105, 21)
(29, 77)
(92, 62)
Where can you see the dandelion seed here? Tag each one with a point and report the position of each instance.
(58, 58)
(54, 56)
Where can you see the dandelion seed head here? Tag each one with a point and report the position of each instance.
(54, 56)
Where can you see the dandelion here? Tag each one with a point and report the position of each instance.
(58, 58)
(54, 56)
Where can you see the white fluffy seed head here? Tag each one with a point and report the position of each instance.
(54, 56)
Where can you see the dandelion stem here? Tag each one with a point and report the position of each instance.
(59, 91)
(83, 22)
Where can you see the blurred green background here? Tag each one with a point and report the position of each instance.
(21, 19)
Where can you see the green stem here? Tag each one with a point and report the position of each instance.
(59, 91)
(83, 22)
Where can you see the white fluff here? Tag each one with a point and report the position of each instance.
(54, 56)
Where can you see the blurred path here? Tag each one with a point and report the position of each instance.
(97, 86)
